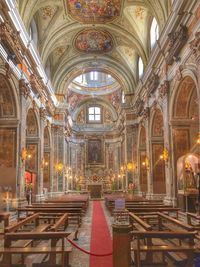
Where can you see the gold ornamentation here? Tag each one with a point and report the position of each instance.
(48, 12)
(139, 12)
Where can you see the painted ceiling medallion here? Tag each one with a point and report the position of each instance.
(91, 11)
(94, 41)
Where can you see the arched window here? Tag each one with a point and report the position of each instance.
(154, 32)
(48, 69)
(33, 32)
(140, 67)
(123, 97)
(93, 75)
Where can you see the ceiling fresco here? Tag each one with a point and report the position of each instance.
(94, 41)
(94, 11)
(78, 36)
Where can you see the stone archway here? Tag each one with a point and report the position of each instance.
(185, 118)
(158, 166)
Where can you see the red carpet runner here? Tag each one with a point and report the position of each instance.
(100, 238)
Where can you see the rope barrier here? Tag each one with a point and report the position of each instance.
(88, 252)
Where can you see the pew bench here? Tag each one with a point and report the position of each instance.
(52, 250)
(150, 246)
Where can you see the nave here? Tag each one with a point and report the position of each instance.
(100, 233)
(99, 115)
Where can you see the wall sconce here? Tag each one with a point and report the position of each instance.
(145, 163)
(25, 155)
(59, 167)
(165, 155)
(198, 139)
(131, 166)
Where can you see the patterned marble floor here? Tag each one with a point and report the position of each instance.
(78, 258)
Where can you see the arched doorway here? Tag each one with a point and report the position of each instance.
(188, 181)
(32, 151)
(143, 161)
(8, 140)
(158, 165)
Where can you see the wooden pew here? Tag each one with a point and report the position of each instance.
(26, 220)
(62, 221)
(138, 247)
(172, 223)
(4, 217)
(53, 216)
(139, 223)
(52, 250)
(166, 223)
(71, 211)
(146, 210)
(191, 217)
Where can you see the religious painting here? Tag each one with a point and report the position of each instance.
(158, 124)
(7, 148)
(95, 153)
(158, 170)
(186, 88)
(7, 106)
(46, 137)
(7, 161)
(31, 124)
(94, 11)
(94, 41)
(32, 161)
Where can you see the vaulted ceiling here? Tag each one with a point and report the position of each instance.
(77, 36)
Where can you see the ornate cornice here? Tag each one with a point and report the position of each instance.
(164, 89)
(195, 47)
(50, 107)
(8, 70)
(43, 113)
(152, 83)
(10, 40)
(24, 89)
(176, 42)
(139, 107)
(145, 113)
(38, 87)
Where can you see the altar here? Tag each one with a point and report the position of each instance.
(95, 190)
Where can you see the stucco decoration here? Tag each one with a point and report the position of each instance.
(95, 41)
(94, 11)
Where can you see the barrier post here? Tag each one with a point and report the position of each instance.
(121, 245)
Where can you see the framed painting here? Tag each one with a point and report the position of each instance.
(95, 151)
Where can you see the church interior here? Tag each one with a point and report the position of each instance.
(99, 133)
